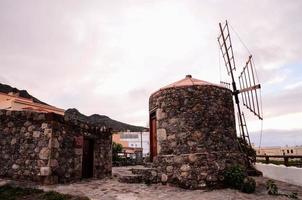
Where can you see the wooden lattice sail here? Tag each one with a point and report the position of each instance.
(248, 86)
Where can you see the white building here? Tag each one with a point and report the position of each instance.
(137, 140)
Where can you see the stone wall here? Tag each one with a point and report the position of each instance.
(43, 147)
(194, 119)
(24, 139)
(196, 134)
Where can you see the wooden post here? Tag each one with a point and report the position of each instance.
(286, 161)
(267, 159)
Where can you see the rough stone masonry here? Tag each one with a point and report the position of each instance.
(196, 133)
(49, 148)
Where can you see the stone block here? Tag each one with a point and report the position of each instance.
(164, 178)
(161, 134)
(23, 129)
(192, 158)
(44, 125)
(44, 153)
(27, 134)
(169, 169)
(55, 143)
(36, 134)
(78, 151)
(178, 159)
(15, 166)
(184, 174)
(185, 168)
(173, 121)
(171, 137)
(30, 128)
(13, 141)
(27, 123)
(54, 163)
(158, 148)
(45, 171)
(10, 124)
(41, 117)
(48, 132)
(160, 114)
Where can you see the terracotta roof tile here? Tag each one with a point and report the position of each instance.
(189, 81)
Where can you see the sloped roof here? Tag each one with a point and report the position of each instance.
(186, 82)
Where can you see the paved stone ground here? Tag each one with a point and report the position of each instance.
(111, 189)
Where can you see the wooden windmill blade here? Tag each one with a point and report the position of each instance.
(226, 48)
(249, 88)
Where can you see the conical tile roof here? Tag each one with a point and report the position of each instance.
(186, 82)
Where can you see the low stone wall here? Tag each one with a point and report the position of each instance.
(43, 147)
(196, 170)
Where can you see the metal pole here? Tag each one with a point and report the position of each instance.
(142, 140)
(235, 91)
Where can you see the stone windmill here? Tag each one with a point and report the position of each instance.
(193, 136)
(193, 128)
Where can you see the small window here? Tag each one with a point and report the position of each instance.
(292, 151)
(287, 151)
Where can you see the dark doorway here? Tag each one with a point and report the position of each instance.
(87, 162)
(153, 136)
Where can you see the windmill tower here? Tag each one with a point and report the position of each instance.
(248, 85)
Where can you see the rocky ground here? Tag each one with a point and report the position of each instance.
(111, 189)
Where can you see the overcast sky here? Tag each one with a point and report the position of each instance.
(107, 57)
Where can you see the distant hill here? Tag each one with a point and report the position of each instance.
(102, 120)
(22, 93)
(73, 113)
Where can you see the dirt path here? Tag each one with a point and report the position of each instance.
(111, 189)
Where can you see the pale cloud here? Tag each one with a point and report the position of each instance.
(296, 85)
(282, 122)
(107, 57)
(275, 137)
(283, 102)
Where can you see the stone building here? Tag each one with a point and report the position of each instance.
(133, 140)
(278, 150)
(48, 148)
(193, 133)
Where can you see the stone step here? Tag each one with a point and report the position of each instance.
(148, 164)
(130, 178)
(141, 171)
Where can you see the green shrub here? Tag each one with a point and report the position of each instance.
(116, 148)
(234, 176)
(293, 195)
(8, 192)
(249, 185)
(271, 187)
(51, 195)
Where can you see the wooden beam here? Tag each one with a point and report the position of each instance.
(250, 88)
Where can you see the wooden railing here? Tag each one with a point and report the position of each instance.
(285, 158)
